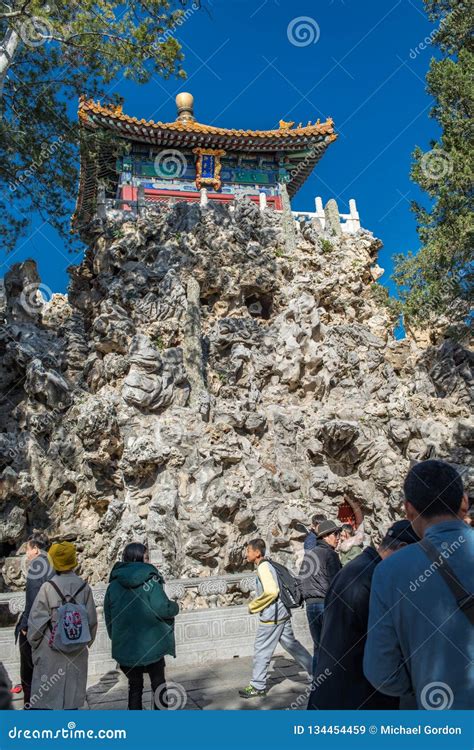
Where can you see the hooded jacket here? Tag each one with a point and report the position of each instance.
(346, 556)
(138, 615)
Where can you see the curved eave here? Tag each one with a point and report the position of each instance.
(304, 169)
(178, 133)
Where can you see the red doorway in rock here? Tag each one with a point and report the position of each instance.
(349, 512)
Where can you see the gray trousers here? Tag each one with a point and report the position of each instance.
(267, 639)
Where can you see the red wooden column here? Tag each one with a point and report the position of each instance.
(128, 193)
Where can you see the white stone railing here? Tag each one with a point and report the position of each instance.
(350, 223)
(198, 593)
(209, 627)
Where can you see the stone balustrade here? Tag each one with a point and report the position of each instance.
(194, 593)
(208, 628)
(348, 223)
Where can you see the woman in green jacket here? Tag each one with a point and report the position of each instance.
(140, 623)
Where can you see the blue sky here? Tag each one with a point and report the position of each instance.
(362, 63)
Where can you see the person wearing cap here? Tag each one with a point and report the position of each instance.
(319, 567)
(311, 540)
(346, 614)
(421, 634)
(59, 679)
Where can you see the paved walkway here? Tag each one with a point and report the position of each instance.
(209, 686)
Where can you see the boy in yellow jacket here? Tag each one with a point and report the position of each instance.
(275, 623)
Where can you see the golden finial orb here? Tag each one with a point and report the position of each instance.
(185, 106)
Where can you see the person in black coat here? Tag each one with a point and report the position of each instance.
(320, 565)
(38, 571)
(339, 681)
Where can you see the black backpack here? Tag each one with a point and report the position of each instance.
(291, 592)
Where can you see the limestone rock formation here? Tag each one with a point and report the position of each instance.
(201, 384)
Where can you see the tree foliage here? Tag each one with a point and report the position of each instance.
(50, 54)
(436, 284)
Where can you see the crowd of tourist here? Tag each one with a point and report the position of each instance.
(389, 623)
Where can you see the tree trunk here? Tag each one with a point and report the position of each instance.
(8, 49)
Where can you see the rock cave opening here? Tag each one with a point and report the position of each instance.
(208, 301)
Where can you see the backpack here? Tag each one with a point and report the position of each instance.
(291, 591)
(71, 630)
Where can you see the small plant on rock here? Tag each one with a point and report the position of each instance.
(326, 246)
(158, 342)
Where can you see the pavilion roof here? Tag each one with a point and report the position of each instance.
(285, 138)
(302, 145)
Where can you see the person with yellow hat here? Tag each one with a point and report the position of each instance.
(65, 592)
(63, 556)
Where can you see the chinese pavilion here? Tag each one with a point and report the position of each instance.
(182, 159)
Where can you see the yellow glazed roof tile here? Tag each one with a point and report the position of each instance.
(286, 130)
